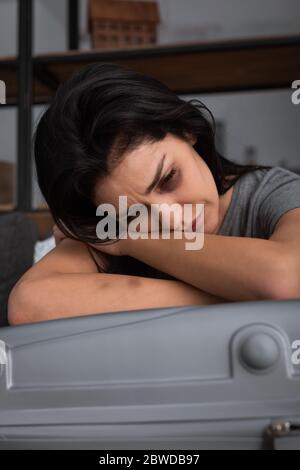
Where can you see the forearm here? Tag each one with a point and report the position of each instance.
(66, 283)
(233, 268)
(71, 295)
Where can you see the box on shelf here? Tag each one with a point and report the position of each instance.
(123, 23)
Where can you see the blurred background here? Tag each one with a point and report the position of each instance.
(239, 57)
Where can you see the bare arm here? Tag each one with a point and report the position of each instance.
(234, 268)
(66, 283)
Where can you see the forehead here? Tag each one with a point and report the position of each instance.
(139, 162)
(133, 174)
(137, 169)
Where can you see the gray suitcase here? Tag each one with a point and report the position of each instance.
(222, 376)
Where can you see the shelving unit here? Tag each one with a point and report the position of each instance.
(206, 67)
(17, 72)
(186, 68)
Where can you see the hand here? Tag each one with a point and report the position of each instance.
(114, 248)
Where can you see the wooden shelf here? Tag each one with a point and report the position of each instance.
(206, 67)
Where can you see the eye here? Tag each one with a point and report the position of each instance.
(168, 179)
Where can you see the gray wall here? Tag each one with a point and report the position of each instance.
(266, 120)
(228, 18)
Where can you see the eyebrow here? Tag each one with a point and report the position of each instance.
(157, 176)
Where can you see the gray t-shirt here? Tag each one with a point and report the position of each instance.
(258, 201)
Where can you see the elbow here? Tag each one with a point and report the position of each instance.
(21, 303)
(283, 281)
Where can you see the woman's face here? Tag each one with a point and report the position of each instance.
(182, 177)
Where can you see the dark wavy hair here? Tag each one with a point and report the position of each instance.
(95, 117)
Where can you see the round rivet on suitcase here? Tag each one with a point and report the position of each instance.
(260, 352)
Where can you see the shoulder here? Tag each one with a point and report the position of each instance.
(268, 180)
(279, 192)
(282, 175)
(259, 199)
(279, 180)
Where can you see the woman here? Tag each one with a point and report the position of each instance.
(111, 131)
